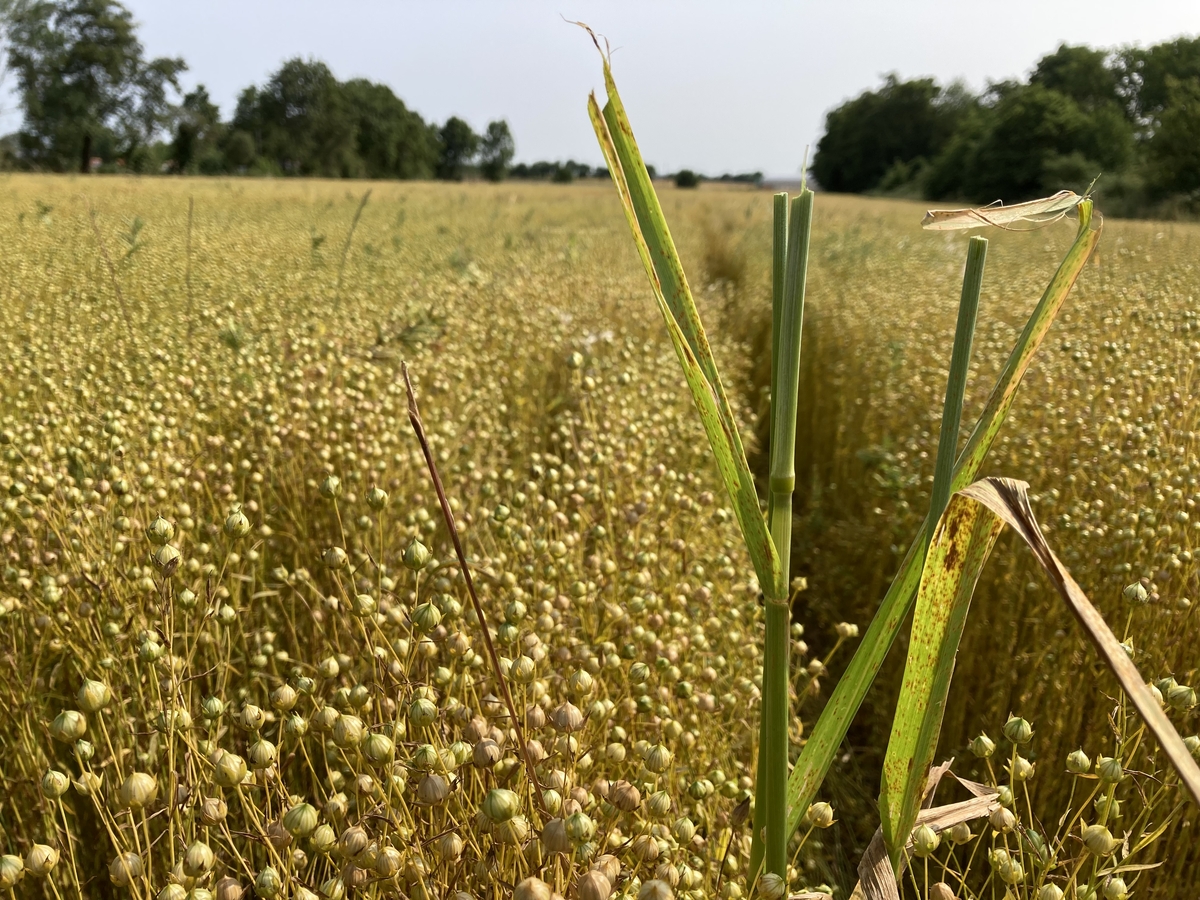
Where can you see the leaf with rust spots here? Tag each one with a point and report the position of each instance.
(975, 516)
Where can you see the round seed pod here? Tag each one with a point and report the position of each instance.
(983, 746)
(160, 531)
(448, 847)
(323, 839)
(426, 617)
(820, 815)
(387, 862)
(213, 811)
(40, 860)
(925, 841)
(333, 889)
(300, 820)
(173, 891)
(1110, 770)
(432, 789)
(252, 718)
(228, 888)
(68, 726)
(262, 754)
(500, 805)
(486, 753)
(267, 883)
(770, 887)
(532, 889)
(624, 796)
(335, 558)
(198, 859)
(1002, 820)
(378, 749)
(237, 526)
(1011, 871)
(1192, 742)
(1050, 892)
(1098, 840)
(554, 837)
(1078, 763)
(1181, 698)
(89, 784)
(567, 718)
(644, 848)
(54, 784)
(659, 804)
(658, 759)
(1018, 731)
(941, 891)
(579, 827)
(93, 696)
(961, 833)
(284, 697)
(230, 770)
(348, 731)
(594, 885)
(416, 556)
(377, 498)
(212, 708)
(125, 869)
(1020, 770)
(12, 870)
(166, 559)
(654, 889)
(422, 713)
(1115, 888)
(513, 832)
(331, 487)
(137, 791)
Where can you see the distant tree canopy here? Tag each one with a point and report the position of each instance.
(84, 85)
(1132, 114)
(88, 92)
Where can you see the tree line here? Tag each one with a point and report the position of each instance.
(1130, 114)
(92, 99)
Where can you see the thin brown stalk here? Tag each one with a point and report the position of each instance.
(112, 272)
(414, 416)
(362, 204)
(187, 274)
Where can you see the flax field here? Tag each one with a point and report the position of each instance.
(238, 657)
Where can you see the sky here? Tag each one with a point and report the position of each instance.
(734, 86)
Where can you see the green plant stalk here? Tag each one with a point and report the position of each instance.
(903, 780)
(847, 696)
(956, 384)
(788, 315)
(674, 298)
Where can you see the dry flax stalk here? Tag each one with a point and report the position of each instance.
(414, 417)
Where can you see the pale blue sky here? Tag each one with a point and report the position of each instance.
(714, 86)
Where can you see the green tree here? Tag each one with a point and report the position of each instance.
(301, 121)
(1174, 151)
(1030, 137)
(864, 137)
(1147, 75)
(1087, 76)
(83, 81)
(391, 140)
(198, 134)
(458, 145)
(496, 151)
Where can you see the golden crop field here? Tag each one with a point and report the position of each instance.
(238, 650)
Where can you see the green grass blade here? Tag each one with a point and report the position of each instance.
(961, 543)
(900, 792)
(771, 811)
(956, 385)
(674, 298)
(848, 694)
